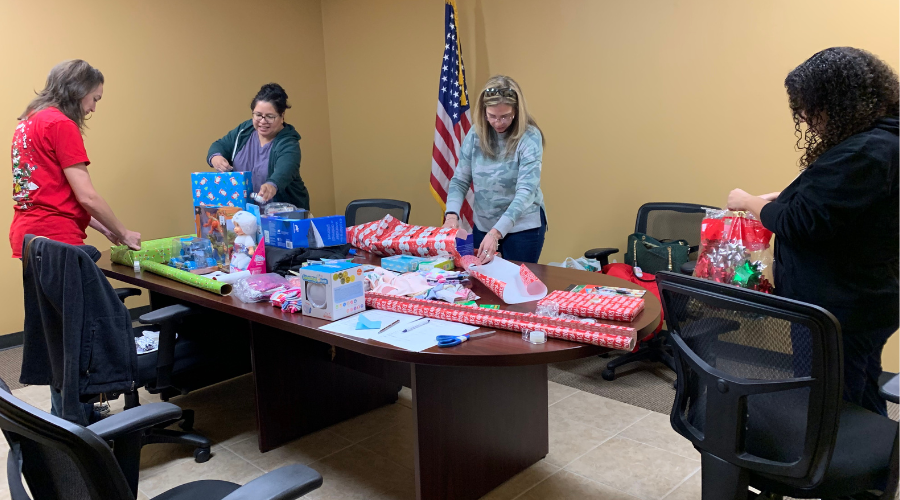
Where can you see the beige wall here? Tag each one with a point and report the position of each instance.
(639, 101)
(178, 76)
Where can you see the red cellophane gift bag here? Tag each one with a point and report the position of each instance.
(735, 249)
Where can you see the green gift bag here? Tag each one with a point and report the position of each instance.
(653, 255)
(153, 251)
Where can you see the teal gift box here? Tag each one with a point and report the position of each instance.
(221, 189)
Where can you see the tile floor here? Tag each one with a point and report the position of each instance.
(599, 449)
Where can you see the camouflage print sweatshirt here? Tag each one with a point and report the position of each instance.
(508, 194)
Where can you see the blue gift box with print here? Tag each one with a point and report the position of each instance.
(221, 189)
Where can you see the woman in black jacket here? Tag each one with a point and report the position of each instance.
(836, 225)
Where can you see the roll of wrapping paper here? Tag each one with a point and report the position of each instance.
(613, 336)
(186, 277)
(153, 250)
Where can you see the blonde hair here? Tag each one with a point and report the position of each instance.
(486, 134)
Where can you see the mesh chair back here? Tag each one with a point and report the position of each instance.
(759, 377)
(671, 221)
(362, 211)
(60, 460)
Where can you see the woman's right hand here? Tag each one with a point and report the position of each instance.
(451, 221)
(132, 240)
(221, 164)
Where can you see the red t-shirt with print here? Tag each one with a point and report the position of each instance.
(43, 145)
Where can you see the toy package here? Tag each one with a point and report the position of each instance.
(216, 225)
(195, 255)
(246, 255)
(333, 291)
(300, 230)
(735, 249)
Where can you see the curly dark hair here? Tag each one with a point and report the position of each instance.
(839, 92)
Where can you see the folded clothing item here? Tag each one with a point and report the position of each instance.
(259, 288)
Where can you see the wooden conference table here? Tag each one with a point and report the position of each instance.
(480, 408)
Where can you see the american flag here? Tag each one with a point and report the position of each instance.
(453, 119)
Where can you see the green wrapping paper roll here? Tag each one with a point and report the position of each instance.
(154, 250)
(186, 277)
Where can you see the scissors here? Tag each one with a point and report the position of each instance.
(452, 340)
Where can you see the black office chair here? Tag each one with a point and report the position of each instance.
(663, 221)
(759, 394)
(362, 211)
(196, 349)
(61, 460)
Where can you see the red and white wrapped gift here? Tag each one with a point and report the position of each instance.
(586, 305)
(511, 283)
(613, 336)
(389, 237)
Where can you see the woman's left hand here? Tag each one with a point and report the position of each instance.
(488, 247)
(267, 191)
(737, 200)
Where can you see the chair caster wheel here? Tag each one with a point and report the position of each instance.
(608, 374)
(201, 455)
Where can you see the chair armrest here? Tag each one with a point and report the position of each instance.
(688, 267)
(167, 314)
(136, 419)
(286, 483)
(601, 254)
(889, 387)
(14, 476)
(124, 293)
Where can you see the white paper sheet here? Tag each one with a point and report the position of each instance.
(423, 337)
(347, 326)
(515, 289)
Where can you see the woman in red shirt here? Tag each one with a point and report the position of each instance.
(51, 185)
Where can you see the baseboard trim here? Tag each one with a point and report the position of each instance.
(11, 340)
(16, 339)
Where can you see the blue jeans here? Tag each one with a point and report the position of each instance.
(524, 246)
(87, 416)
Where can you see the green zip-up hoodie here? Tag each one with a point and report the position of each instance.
(284, 161)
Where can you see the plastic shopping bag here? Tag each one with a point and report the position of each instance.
(735, 249)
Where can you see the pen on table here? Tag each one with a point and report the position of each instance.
(414, 327)
(392, 324)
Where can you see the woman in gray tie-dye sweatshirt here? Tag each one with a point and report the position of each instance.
(501, 159)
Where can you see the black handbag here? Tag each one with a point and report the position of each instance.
(653, 255)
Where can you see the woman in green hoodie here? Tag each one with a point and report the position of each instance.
(267, 147)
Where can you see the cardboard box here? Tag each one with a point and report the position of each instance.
(221, 189)
(436, 263)
(296, 230)
(402, 263)
(332, 291)
(214, 224)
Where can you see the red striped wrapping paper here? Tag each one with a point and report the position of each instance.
(586, 305)
(390, 236)
(613, 336)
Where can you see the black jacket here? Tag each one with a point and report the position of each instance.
(78, 336)
(836, 231)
